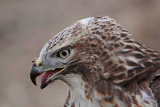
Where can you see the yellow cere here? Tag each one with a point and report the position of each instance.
(39, 62)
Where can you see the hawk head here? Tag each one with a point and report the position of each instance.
(71, 55)
(85, 51)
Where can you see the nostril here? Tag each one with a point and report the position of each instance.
(40, 65)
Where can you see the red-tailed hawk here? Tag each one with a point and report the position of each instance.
(102, 65)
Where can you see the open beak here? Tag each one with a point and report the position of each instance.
(49, 76)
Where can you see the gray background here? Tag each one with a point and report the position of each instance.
(26, 25)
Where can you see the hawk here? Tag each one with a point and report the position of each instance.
(101, 64)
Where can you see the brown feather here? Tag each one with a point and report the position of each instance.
(155, 87)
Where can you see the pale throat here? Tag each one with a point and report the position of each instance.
(78, 92)
(75, 83)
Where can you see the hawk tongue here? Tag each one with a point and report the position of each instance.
(44, 79)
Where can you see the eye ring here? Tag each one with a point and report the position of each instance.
(64, 53)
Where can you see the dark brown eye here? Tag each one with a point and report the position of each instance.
(63, 54)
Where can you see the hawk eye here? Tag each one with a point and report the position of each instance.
(64, 53)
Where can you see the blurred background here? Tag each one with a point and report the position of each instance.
(26, 25)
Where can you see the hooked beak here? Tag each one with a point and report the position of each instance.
(50, 75)
(35, 72)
